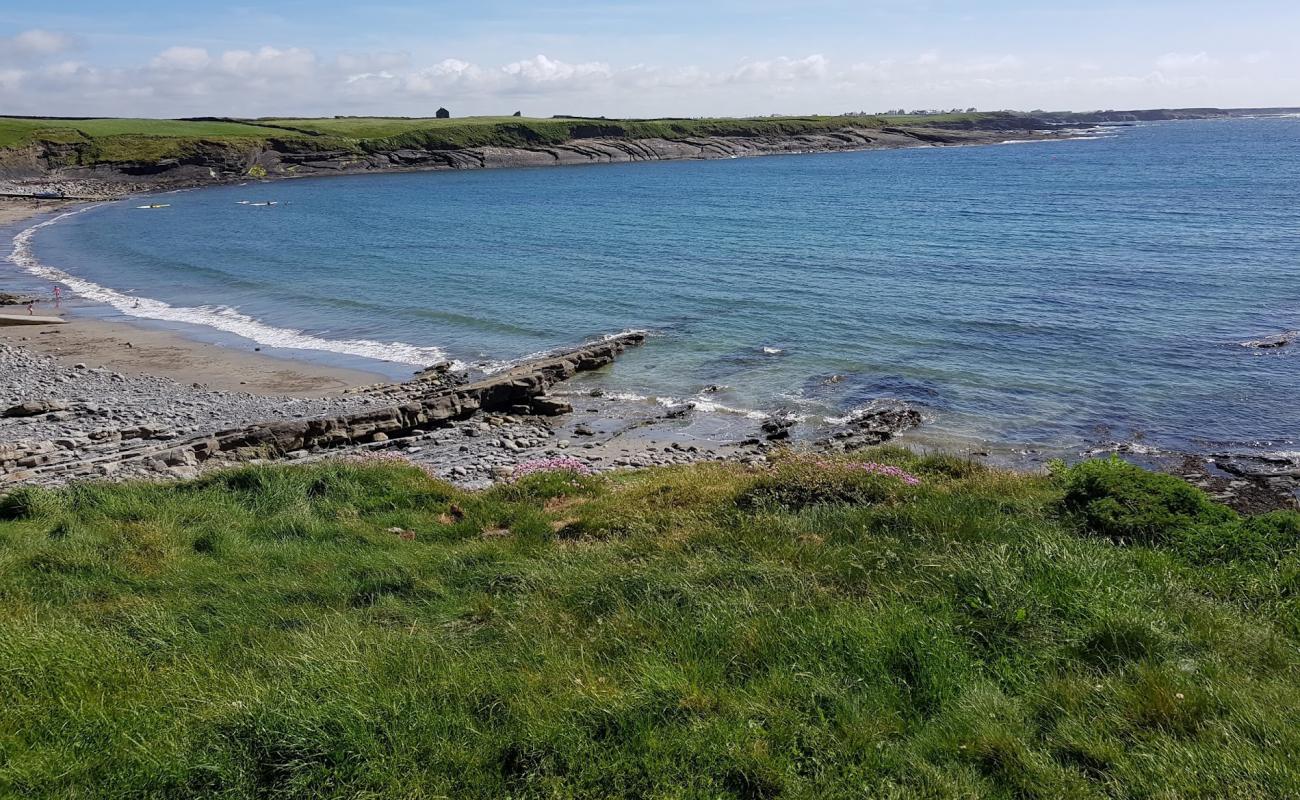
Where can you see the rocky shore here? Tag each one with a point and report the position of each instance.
(60, 423)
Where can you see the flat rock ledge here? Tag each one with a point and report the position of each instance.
(436, 398)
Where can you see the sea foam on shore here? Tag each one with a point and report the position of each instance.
(222, 318)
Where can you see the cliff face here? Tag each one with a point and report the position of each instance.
(607, 150)
(78, 170)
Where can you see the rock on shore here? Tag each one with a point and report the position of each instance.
(59, 424)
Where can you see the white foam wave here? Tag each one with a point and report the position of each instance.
(702, 403)
(861, 412)
(222, 318)
(773, 351)
(493, 367)
(1060, 139)
(699, 403)
(1135, 448)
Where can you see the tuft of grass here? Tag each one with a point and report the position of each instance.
(809, 630)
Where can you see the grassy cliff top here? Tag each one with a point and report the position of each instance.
(809, 630)
(117, 137)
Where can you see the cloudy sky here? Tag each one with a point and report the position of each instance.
(641, 57)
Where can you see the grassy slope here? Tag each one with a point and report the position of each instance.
(697, 632)
(16, 132)
(143, 140)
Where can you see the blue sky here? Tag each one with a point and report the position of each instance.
(641, 58)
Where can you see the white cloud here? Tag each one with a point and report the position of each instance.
(182, 58)
(540, 70)
(358, 63)
(269, 62)
(184, 80)
(782, 70)
(1177, 62)
(36, 43)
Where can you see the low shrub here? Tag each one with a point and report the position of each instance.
(1115, 499)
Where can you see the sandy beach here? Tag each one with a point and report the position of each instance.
(136, 350)
(15, 209)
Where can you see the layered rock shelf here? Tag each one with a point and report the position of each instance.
(435, 399)
(47, 167)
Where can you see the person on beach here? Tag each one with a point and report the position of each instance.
(58, 297)
(30, 306)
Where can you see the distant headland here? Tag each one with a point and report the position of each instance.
(106, 157)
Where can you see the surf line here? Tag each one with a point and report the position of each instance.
(223, 318)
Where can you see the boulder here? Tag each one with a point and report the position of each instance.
(777, 428)
(7, 299)
(871, 428)
(34, 408)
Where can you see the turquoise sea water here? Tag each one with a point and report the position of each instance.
(1056, 295)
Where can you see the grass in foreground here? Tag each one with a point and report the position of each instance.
(810, 631)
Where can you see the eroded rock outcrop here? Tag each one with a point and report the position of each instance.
(435, 398)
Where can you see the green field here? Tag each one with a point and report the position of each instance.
(16, 132)
(811, 630)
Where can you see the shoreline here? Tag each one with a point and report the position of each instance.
(139, 349)
(623, 435)
(176, 347)
(93, 187)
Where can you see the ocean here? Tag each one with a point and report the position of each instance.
(1059, 296)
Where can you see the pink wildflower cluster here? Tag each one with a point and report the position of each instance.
(886, 470)
(559, 464)
(388, 457)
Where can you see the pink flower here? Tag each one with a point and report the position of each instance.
(559, 464)
(388, 457)
(887, 471)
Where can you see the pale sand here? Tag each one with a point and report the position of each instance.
(14, 209)
(97, 343)
(134, 350)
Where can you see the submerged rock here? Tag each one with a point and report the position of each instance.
(1272, 342)
(778, 428)
(8, 299)
(872, 427)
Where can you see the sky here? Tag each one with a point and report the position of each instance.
(641, 58)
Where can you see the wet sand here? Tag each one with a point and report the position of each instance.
(16, 209)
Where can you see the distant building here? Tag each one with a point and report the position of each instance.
(443, 114)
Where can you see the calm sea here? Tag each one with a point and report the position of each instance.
(1055, 295)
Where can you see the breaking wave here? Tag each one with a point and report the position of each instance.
(222, 318)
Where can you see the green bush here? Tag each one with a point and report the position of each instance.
(1115, 499)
